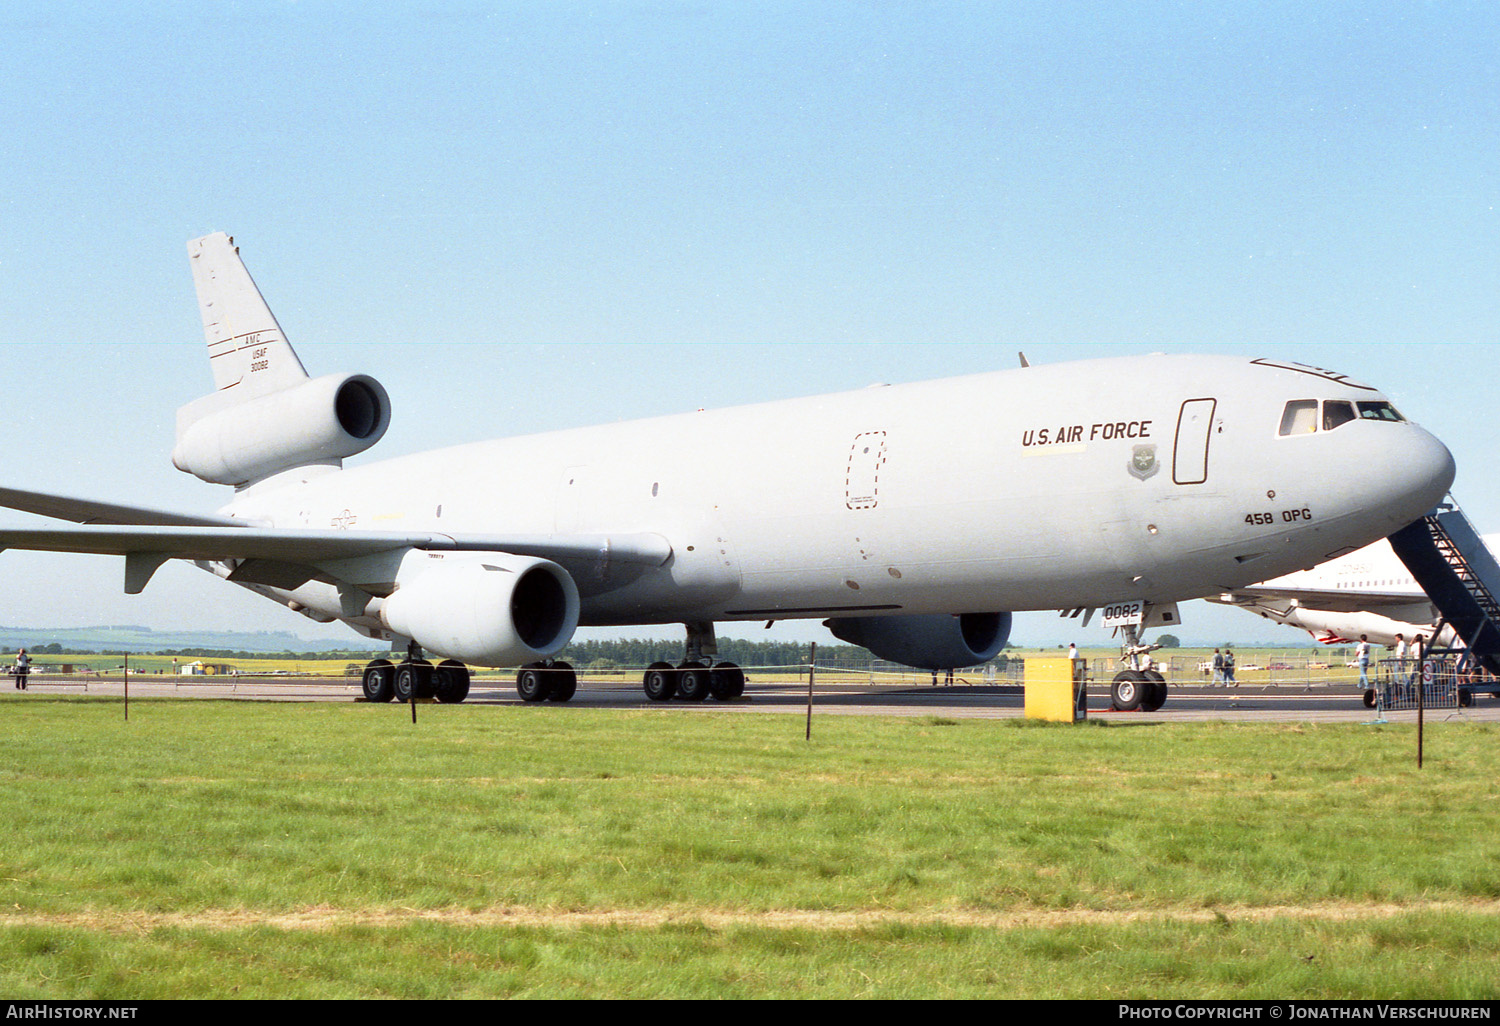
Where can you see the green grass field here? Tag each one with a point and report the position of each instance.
(217, 849)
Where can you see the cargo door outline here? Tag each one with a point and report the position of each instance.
(1194, 433)
(866, 464)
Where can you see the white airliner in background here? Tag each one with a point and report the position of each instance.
(913, 519)
(1369, 592)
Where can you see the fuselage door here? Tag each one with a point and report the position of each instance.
(1194, 431)
(866, 462)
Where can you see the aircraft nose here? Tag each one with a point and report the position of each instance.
(1419, 470)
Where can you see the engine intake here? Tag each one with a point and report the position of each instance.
(487, 609)
(938, 642)
(319, 421)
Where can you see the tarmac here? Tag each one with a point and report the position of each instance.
(1281, 703)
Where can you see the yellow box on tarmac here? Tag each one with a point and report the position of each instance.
(1052, 688)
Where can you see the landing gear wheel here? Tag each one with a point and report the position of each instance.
(379, 682)
(693, 682)
(726, 682)
(1369, 698)
(660, 682)
(564, 682)
(1156, 691)
(450, 682)
(533, 683)
(413, 680)
(1465, 698)
(1129, 690)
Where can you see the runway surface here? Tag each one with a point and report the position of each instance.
(1279, 703)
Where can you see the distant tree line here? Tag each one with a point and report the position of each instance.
(595, 655)
(224, 653)
(636, 652)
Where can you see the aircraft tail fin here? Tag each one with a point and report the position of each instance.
(247, 349)
(265, 416)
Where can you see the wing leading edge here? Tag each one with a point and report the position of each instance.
(287, 555)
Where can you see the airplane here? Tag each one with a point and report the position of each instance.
(911, 519)
(1368, 592)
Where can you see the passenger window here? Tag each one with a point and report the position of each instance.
(1300, 417)
(1337, 414)
(1380, 411)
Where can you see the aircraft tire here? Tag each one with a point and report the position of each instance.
(1465, 698)
(1156, 691)
(564, 682)
(450, 682)
(726, 682)
(532, 684)
(1128, 691)
(379, 683)
(413, 680)
(693, 682)
(426, 686)
(660, 682)
(1369, 698)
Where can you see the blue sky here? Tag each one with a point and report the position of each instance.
(523, 216)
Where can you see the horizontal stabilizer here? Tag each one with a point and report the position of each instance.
(319, 546)
(88, 511)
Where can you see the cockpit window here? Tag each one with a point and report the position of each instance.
(1300, 417)
(1380, 411)
(1336, 414)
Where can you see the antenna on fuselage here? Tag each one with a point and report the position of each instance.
(1024, 362)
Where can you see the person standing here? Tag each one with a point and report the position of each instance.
(1362, 657)
(1218, 666)
(23, 669)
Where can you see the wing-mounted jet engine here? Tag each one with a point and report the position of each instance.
(927, 642)
(486, 608)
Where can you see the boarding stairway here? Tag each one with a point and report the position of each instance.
(1460, 575)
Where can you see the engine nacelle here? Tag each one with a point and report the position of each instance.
(319, 421)
(939, 642)
(487, 609)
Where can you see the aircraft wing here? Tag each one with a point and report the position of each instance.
(1334, 600)
(290, 557)
(88, 511)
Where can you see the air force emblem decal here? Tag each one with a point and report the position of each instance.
(1143, 463)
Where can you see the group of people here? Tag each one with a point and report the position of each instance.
(1223, 667)
(1405, 654)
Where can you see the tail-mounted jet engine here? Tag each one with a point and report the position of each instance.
(323, 420)
(937, 642)
(488, 609)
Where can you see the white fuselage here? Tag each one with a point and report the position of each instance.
(1067, 486)
(1369, 592)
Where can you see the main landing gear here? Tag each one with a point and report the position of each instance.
(697, 677)
(1137, 689)
(448, 681)
(416, 677)
(551, 681)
